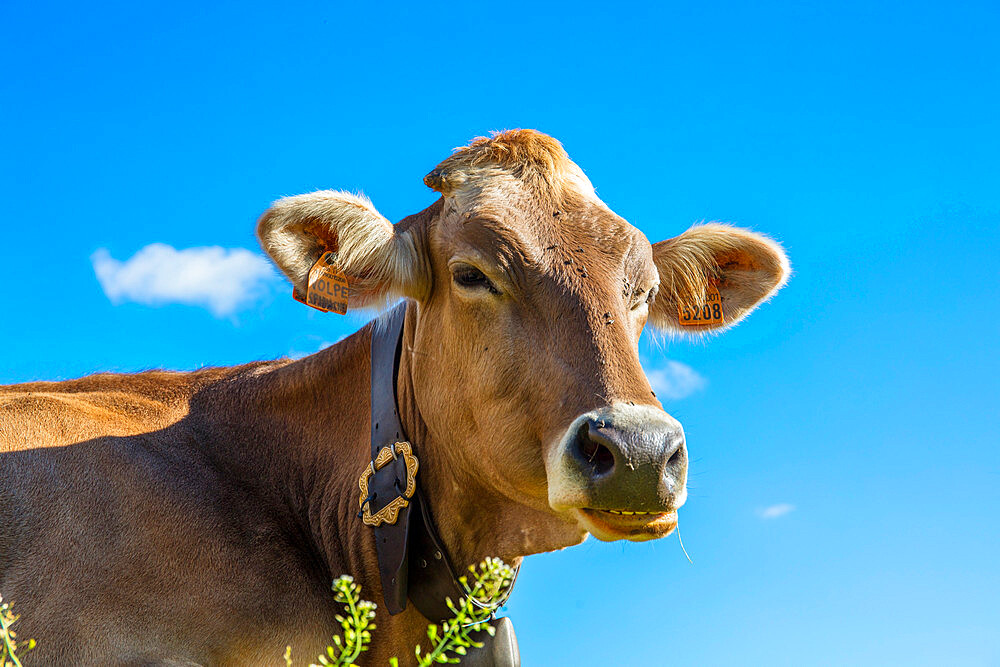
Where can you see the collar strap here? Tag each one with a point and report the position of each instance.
(411, 558)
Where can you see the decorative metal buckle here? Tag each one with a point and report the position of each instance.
(390, 512)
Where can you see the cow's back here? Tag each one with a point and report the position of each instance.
(50, 414)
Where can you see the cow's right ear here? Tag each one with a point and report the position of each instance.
(380, 262)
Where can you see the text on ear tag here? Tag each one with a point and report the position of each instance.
(697, 315)
(327, 288)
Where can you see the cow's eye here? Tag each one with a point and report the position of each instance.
(639, 302)
(472, 278)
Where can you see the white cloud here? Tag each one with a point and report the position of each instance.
(220, 279)
(673, 380)
(775, 511)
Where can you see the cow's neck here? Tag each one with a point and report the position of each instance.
(302, 431)
(296, 435)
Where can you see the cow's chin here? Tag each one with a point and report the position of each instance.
(609, 526)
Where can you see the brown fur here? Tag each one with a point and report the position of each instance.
(201, 517)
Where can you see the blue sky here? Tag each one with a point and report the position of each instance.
(862, 401)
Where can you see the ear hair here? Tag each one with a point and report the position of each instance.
(747, 267)
(378, 262)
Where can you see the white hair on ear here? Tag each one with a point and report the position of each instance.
(295, 231)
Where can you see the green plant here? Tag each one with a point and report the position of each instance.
(9, 646)
(491, 582)
(356, 623)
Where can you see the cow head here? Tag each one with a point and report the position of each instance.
(530, 297)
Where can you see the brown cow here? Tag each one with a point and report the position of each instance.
(199, 518)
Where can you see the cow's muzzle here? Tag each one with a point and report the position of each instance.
(622, 471)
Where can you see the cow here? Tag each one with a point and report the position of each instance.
(200, 517)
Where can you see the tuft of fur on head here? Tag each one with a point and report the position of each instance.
(528, 155)
(748, 269)
(513, 149)
(378, 262)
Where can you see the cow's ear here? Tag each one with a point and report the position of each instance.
(745, 267)
(381, 262)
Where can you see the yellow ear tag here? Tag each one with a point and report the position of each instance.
(705, 314)
(327, 288)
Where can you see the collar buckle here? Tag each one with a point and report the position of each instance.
(389, 513)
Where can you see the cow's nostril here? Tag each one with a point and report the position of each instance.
(677, 457)
(598, 457)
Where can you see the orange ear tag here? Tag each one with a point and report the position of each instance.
(708, 313)
(327, 288)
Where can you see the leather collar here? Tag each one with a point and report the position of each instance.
(412, 561)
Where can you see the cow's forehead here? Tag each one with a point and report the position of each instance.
(518, 197)
(504, 219)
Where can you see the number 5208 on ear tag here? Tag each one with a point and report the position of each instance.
(327, 289)
(710, 312)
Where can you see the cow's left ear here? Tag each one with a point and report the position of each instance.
(380, 260)
(746, 268)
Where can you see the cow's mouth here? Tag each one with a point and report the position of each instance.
(609, 525)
